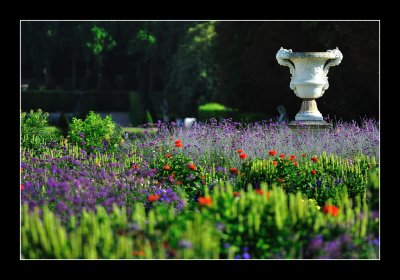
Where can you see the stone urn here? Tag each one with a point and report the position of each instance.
(309, 79)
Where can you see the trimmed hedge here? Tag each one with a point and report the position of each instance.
(219, 112)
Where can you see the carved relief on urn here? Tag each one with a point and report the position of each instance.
(309, 79)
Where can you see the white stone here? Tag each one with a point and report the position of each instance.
(188, 122)
(309, 79)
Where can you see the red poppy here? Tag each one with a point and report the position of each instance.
(205, 201)
(22, 187)
(282, 156)
(202, 176)
(275, 163)
(280, 180)
(314, 159)
(236, 194)
(233, 170)
(178, 141)
(168, 155)
(135, 166)
(332, 210)
(167, 167)
(313, 172)
(153, 197)
(260, 191)
(178, 145)
(272, 153)
(192, 166)
(240, 151)
(296, 163)
(292, 157)
(243, 156)
(138, 253)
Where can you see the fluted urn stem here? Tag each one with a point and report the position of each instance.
(308, 111)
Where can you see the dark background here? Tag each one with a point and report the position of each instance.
(189, 63)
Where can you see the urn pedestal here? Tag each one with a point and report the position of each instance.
(309, 81)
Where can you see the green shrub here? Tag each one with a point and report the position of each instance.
(215, 110)
(136, 110)
(95, 133)
(35, 130)
(149, 118)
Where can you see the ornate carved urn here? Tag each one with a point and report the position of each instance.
(309, 80)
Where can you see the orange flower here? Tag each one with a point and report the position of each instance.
(292, 157)
(159, 148)
(167, 167)
(275, 163)
(282, 156)
(259, 191)
(313, 172)
(280, 180)
(153, 197)
(138, 253)
(236, 194)
(239, 151)
(178, 182)
(22, 187)
(243, 156)
(178, 145)
(192, 166)
(202, 176)
(233, 170)
(332, 210)
(173, 175)
(168, 155)
(272, 153)
(314, 159)
(205, 201)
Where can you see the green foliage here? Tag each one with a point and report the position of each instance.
(332, 175)
(149, 118)
(214, 110)
(34, 130)
(102, 41)
(95, 133)
(269, 222)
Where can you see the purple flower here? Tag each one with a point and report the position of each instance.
(246, 256)
(61, 206)
(316, 242)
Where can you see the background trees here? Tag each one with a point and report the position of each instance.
(177, 66)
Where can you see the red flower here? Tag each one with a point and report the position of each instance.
(296, 163)
(314, 159)
(240, 151)
(178, 145)
(236, 194)
(205, 201)
(178, 141)
(135, 166)
(275, 163)
(313, 172)
(280, 180)
(168, 155)
(259, 191)
(167, 167)
(178, 182)
(138, 253)
(332, 210)
(282, 156)
(233, 170)
(272, 153)
(153, 197)
(304, 155)
(22, 187)
(202, 176)
(243, 156)
(192, 166)
(292, 157)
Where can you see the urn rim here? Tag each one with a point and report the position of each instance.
(326, 55)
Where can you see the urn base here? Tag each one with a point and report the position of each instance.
(309, 111)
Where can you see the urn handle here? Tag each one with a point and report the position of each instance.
(282, 56)
(334, 61)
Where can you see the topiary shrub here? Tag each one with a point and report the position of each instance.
(95, 133)
(215, 110)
